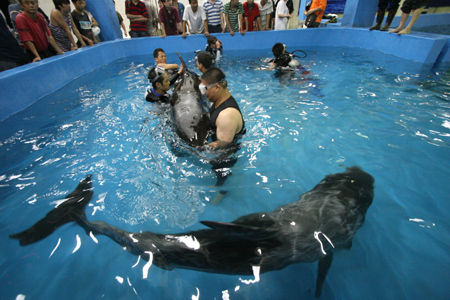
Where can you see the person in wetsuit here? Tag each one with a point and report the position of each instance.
(214, 47)
(282, 58)
(226, 122)
(160, 84)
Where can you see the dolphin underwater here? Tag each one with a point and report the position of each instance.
(191, 119)
(320, 221)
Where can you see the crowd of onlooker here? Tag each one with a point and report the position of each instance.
(32, 35)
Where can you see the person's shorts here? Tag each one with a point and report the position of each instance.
(410, 5)
(214, 28)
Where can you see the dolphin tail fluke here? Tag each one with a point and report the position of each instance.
(324, 266)
(69, 211)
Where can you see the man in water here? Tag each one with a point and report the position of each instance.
(160, 84)
(161, 59)
(204, 61)
(225, 116)
(226, 122)
(282, 58)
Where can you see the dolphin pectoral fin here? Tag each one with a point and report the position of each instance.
(324, 266)
(69, 211)
(237, 230)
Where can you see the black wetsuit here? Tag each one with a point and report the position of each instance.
(283, 60)
(152, 96)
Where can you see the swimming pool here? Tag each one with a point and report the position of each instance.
(357, 107)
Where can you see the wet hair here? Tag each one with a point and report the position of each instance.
(151, 75)
(59, 3)
(277, 49)
(205, 59)
(211, 39)
(156, 52)
(215, 75)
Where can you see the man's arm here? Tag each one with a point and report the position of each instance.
(228, 24)
(228, 123)
(268, 16)
(32, 48)
(55, 46)
(205, 23)
(258, 23)
(222, 22)
(183, 29)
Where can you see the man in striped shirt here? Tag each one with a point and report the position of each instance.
(138, 15)
(233, 12)
(214, 9)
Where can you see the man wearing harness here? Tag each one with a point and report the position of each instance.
(225, 116)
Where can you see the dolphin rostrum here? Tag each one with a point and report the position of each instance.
(320, 221)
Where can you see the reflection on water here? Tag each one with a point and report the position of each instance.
(354, 108)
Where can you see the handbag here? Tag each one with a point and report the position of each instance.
(311, 20)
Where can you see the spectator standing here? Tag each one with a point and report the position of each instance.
(153, 20)
(11, 53)
(251, 20)
(34, 32)
(121, 23)
(315, 13)
(214, 14)
(14, 10)
(234, 11)
(265, 13)
(281, 15)
(81, 20)
(138, 15)
(179, 6)
(170, 19)
(204, 61)
(196, 17)
(61, 26)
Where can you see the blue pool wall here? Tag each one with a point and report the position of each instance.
(22, 86)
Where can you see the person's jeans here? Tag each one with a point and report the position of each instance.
(136, 34)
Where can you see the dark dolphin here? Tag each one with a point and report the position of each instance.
(191, 118)
(322, 220)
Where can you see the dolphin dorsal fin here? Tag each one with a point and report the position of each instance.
(183, 63)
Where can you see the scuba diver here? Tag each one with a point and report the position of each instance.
(284, 59)
(214, 47)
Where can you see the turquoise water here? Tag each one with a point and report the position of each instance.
(356, 107)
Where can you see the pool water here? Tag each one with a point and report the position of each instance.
(356, 107)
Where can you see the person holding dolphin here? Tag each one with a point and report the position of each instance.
(226, 119)
(161, 83)
(226, 122)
